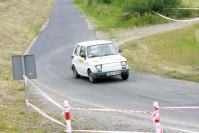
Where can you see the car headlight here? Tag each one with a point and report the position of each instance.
(98, 67)
(123, 63)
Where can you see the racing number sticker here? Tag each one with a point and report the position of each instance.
(81, 61)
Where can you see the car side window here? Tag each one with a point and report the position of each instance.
(77, 51)
(82, 51)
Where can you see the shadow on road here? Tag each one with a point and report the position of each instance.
(103, 80)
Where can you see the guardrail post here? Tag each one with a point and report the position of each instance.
(156, 117)
(67, 117)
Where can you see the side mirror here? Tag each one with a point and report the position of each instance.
(83, 56)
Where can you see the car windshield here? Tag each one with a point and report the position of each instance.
(101, 50)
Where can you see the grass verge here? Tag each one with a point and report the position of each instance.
(20, 21)
(108, 16)
(174, 54)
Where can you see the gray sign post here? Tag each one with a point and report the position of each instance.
(17, 67)
(24, 67)
(30, 66)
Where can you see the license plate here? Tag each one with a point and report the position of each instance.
(113, 73)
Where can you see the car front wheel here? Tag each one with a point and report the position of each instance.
(75, 73)
(125, 76)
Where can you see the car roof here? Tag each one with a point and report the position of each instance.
(94, 42)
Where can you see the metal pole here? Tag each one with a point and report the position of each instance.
(25, 84)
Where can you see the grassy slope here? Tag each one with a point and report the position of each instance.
(106, 17)
(111, 16)
(173, 53)
(20, 21)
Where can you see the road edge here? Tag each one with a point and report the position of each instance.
(44, 26)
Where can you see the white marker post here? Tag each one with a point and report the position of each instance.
(156, 117)
(26, 91)
(67, 117)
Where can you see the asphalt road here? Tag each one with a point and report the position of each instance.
(53, 49)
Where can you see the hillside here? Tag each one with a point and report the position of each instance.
(20, 21)
(171, 52)
(112, 14)
(174, 53)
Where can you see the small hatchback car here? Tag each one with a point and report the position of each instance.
(98, 59)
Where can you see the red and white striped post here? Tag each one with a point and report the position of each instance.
(156, 117)
(67, 117)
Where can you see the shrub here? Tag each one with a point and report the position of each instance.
(146, 6)
(179, 13)
(183, 13)
(140, 6)
(105, 1)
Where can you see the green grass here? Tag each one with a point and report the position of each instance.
(20, 21)
(174, 53)
(190, 3)
(109, 16)
(14, 118)
(112, 16)
(182, 14)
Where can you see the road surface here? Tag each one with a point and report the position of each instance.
(53, 49)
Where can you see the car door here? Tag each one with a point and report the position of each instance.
(82, 61)
(76, 57)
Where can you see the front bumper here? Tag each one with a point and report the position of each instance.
(107, 74)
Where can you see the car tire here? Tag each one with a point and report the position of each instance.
(91, 78)
(75, 73)
(125, 76)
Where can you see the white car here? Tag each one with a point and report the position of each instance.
(98, 59)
